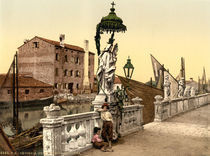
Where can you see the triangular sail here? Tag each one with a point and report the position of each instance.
(158, 70)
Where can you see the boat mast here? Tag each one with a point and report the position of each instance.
(17, 94)
(13, 91)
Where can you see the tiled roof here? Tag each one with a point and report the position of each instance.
(73, 47)
(117, 80)
(23, 81)
(56, 43)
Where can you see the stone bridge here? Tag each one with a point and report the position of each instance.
(187, 134)
(180, 128)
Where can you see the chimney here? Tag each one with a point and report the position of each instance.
(86, 82)
(86, 45)
(62, 38)
(25, 41)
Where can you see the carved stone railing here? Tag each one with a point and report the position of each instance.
(165, 109)
(132, 117)
(72, 134)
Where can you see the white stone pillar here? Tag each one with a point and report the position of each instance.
(86, 82)
(137, 101)
(158, 108)
(52, 129)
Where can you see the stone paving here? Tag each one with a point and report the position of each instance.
(185, 135)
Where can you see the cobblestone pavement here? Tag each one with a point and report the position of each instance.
(185, 135)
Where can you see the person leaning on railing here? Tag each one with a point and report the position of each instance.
(107, 129)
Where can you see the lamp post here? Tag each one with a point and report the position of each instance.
(128, 69)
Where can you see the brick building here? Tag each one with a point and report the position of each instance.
(55, 63)
(29, 88)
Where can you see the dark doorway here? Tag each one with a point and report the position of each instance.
(70, 87)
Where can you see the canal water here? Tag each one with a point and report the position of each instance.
(31, 114)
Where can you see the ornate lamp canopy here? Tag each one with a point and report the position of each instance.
(128, 68)
(109, 24)
(112, 23)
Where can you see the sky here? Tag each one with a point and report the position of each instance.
(167, 29)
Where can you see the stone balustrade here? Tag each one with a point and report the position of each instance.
(132, 119)
(72, 134)
(165, 109)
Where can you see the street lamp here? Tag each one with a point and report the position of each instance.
(128, 68)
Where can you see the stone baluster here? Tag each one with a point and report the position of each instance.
(52, 128)
(158, 108)
(135, 118)
(65, 136)
(122, 126)
(126, 119)
(89, 130)
(73, 144)
(81, 132)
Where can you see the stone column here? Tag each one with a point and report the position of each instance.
(158, 108)
(86, 83)
(137, 101)
(52, 130)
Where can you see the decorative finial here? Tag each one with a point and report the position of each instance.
(128, 57)
(113, 4)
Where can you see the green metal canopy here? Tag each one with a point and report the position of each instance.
(128, 64)
(112, 23)
(109, 24)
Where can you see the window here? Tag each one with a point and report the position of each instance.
(71, 73)
(36, 44)
(89, 61)
(64, 86)
(56, 71)
(72, 59)
(26, 91)
(57, 57)
(77, 73)
(9, 91)
(66, 58)
(41, 90)
(65, 72)
(77, 60)
(56, 85)
(77, 86)
(89, 74)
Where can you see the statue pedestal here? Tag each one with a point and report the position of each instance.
(100, 100)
